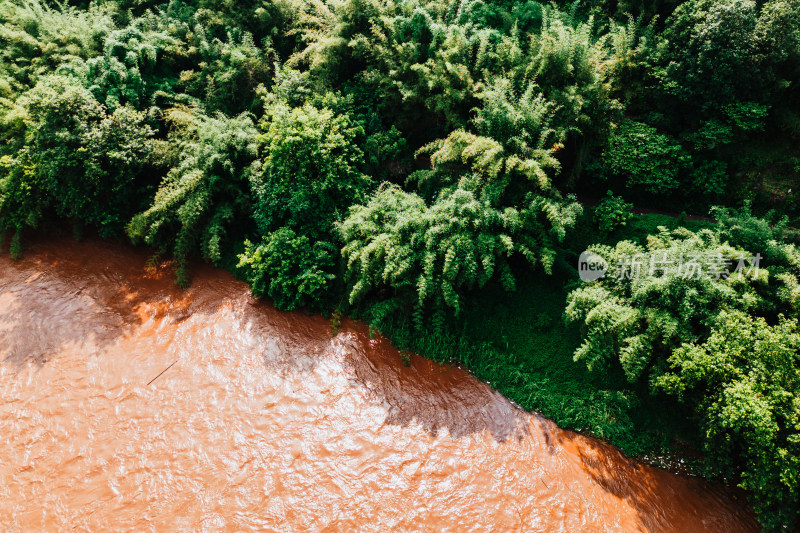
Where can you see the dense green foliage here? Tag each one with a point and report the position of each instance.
(75, 160)
(289, 268)
(612, 212)
(746, 381)
(654, 298)
(310, 173)
(205, 193)
(415, 162)
(703, 320)
(645, 158)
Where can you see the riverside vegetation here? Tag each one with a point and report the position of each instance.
(419, 163)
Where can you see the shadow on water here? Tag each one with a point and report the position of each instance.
(665, 501)
(102, 294)
(437, 397)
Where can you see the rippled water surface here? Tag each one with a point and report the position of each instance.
(267, 421)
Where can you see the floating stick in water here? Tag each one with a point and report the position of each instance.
(159, 375)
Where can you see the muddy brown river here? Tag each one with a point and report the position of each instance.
(128, 404)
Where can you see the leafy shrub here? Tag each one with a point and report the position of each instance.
(520, 122)
(21, 204)
(77, 161)
(487, 204)
(744, 384)
(311, 170)
(86, 159)
(772, 239)
(612, 212)
(644, 158)
(709, 178)
(430, 255)
(741, 227)
(289, 269)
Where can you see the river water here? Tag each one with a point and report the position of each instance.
(128, 404)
